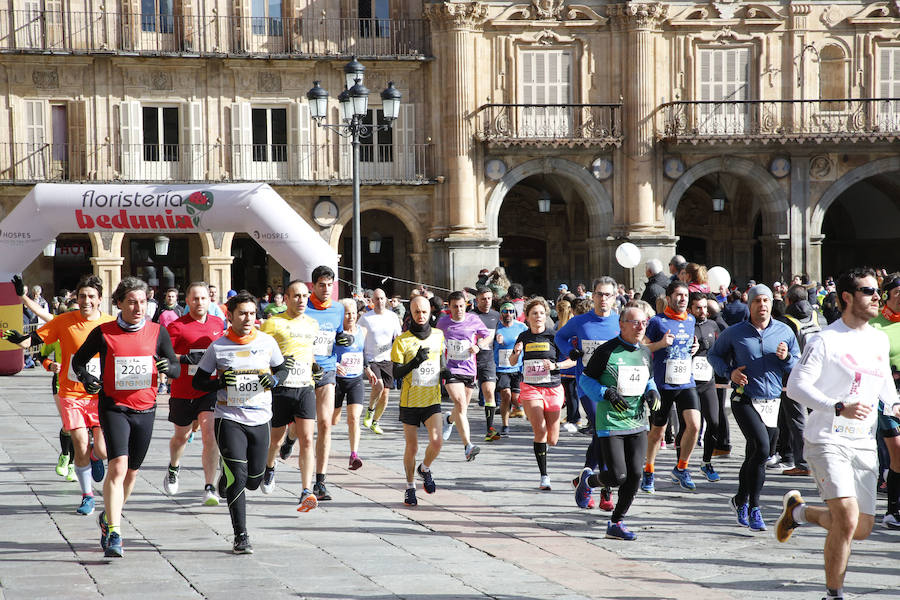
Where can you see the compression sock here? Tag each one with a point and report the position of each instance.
(65, 443)
(489, 412)
(682, 465)
(83, 474)
(893, 491)
(540, 453)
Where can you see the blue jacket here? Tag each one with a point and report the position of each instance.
(743, 345)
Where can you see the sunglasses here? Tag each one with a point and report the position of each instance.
(867, 291)
(508, 312)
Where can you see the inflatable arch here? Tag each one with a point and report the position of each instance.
(51, 209)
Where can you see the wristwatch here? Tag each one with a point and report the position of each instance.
(838, 408)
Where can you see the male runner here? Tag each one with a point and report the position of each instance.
(465, 335)
(486, 369)
(78, 407)
(191, 335)
(509, 375)
(844, 371)
(382, 325)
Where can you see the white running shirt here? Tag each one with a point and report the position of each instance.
(381, 331)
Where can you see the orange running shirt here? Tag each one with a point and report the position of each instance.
(70, 330)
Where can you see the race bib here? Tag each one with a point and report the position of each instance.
(426, 375)
(299, 376)
(678, 371)
(323, 344)
(247, 391)
(535, 371)
(768, 410)
(93, 367)
(458, 349)
(588, 347)
(701, 368)
(192, 369)
(382, 353)
(854, 429)
(352, 362)
(134, 372)
(633, 380)
(503, 358)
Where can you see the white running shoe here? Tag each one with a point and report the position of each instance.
(448, 426)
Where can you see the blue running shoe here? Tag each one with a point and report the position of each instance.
(710, 472)
(114, 546)
(756, 522)
(740, 511)
(683, 478)
(87, 506)
(428, 480)
(618, 531)
(583, 491)
(98, 470)
(409, 498)
(647, 483)
(104, 530)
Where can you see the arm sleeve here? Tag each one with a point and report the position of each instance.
(205, 381)
(801, 385)
(592, 388)
(92, 345)
(401, 370)
(718, 353)
(164, 349)
(597, 365)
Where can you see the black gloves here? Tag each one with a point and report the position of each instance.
(651, 397)
(162, 364)
(190, 358)
(317, 372)
(420, 357)
(19, 285)
(229, 377)
(343, 339)
(289, 363)
(16, 337)
(92, 385)
(616, 401)
(267, 380)
(575, 353)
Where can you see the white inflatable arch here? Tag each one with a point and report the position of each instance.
(51, 209)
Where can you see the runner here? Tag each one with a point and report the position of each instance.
(78, 407)
(672, 373)
(191, 335)
(509, 375)
(706, 332)
(418, 357)
(486, 368)
(65, 467)
(349, 381)
(133, 351)
(294, 399)
(242, 367)
(465, 335)
(541, 390)
(619, 380)
(382, 325)
(844, 371)
(756, 355)
(330, 316)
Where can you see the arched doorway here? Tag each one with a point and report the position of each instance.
(250, 269)
(387, 250)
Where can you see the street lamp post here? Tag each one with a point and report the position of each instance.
(354, 104)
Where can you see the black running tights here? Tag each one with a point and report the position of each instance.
(624, 456)
(244, 449)
(753, 470)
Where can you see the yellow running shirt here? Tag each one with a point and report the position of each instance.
(421, 387)
(295, 338)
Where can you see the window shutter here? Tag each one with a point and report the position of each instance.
(192, 136)
(889, 87)
(405, 143)
(241, 140)
(130, 137)
(77, 151)
(300, 139)
(36, 150)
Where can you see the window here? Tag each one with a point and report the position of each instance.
(374, 18)
(160, 133)
(724, 75)
(267, 17)
(889, 87)
(376, 147)
(832, 77)
(269, 134)
(157, 16)
(546, 78)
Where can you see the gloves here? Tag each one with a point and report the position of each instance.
(162, 364)
(317, 372)
(616, 401)
(19, 285)
(289, 363)
(16, 337)
(188, 359)
(267, 380)
(575, 353)
(420, 357)
(92, 385)
(343, 339)
(229, 377)
(651, 397)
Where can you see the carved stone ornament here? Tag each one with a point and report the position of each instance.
(269, 81)
(46, 79)
(726, 8)
(218, 237)
(820, 167)
(456, 15)
(639, 16)
(548, 10)
(831, 16)
(160, 80)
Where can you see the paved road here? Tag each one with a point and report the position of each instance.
(487, 533)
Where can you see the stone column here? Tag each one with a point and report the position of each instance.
(776, 257)
(814, 258)
(799, 217)
(107, 261)
(217, 260)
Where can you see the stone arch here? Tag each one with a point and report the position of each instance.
(882, 165)
(596, 199)
(403, 214)
(772, 197)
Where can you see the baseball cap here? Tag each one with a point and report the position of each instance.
(563, 287)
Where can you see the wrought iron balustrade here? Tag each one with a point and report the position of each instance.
(541, 124)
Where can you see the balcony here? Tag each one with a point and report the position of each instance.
(556, 125)
(70, 32)
(272, 163)
(782, 121)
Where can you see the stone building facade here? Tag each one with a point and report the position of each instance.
(620, 120)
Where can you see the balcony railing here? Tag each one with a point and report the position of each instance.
(782, 121)
(549, 124)
(154, 34)
(275, 163)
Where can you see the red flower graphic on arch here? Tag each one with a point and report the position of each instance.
(198, 203)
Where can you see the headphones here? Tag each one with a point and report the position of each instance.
(888, 286)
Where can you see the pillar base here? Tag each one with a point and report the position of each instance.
(457, 260)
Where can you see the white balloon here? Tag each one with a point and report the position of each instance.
(628, 255)
(718, 276)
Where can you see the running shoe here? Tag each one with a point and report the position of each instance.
(268, 483)
(355, 463)
(756, 520)
(370, 414)
(62, 465)
(773, 461)
(471, 452)
(591, 503)
(570, 427)
(545, 483)
(98, 469)
(287, 446)
(504, 431)
(583, 492)
(517, 413)
(492, 435)
(321, 492)
(376, 428)
(796, 472)
(428, 480)
(242, 544)
(308, 501)
(710, 472)
(786, 524)
(170, 482)
(647, 484)
(104, 530)
(114, 546)
(190, 437)
(606, 502)
(683, 478)
(209, 496)
(722, 452)
(70, 475)
(409, 498)
(448, 426)
(891, 520)
(618, 531)
(87, 506)
(740, 511)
